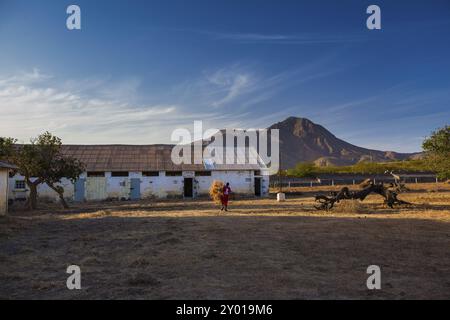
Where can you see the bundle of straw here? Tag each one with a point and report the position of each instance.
(215, 191)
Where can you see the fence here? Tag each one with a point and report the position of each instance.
(335, 181)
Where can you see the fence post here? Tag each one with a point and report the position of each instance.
(416, 180)
(332, 182)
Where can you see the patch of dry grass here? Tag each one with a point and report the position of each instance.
(260, 249)
(351, 206)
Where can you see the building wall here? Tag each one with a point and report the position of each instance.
(241, 182)
(44, 192)
(3, 191)
(117, 187)
(162, 186)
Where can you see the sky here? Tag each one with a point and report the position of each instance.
(137, 70)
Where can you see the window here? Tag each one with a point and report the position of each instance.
(174, 173)
(95, 174)
(20, 184)
(150, 174)
(119, 174)
(202, 173)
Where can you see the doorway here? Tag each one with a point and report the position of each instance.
(188, 187)
(79, 190)
(135, 189)
(258, 187)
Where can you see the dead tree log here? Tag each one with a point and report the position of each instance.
(388, 193)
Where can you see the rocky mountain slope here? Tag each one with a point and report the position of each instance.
(302, 140)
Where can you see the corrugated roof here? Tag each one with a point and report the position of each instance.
(137, 158)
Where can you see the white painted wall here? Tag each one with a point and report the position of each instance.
(3, 191)
(117, 187)
(242, 182)
(202, 184)
(162, 186)
(44, 191)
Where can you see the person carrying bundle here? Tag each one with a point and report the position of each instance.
(226, 191)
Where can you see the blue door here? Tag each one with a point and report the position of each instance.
(135, 187)
(79, 190)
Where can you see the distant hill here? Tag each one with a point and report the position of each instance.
(301, 140)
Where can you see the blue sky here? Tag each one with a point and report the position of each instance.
(140, 69)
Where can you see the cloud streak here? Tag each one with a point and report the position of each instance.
(30, 105)
(101, 111)
(292, 39)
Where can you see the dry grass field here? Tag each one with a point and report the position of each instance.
(260, 249)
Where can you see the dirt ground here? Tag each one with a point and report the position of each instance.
(260, 249)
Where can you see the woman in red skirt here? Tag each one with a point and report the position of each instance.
(225, 196)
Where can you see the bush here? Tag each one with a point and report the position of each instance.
(303, 170)
(437, 151)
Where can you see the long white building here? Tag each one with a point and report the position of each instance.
(132, 172)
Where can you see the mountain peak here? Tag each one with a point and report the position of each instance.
(302, 140)
(296, 120)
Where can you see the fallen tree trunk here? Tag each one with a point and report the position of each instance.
(388, 193)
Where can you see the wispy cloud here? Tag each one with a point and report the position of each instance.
(298, 39)
(233, 82)
(24, 77)
(31, 105)
(96, 110)
(102, 111)
(306, 38)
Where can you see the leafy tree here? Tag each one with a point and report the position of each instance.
(62, 167)
(26, 159)
(311, 170)
(41, 161)
(54, 166)
(303, 170)
(6, 148)
(437, 152)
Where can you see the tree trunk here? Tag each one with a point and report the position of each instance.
(63, 201)
(60, 191)
(32, 199)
